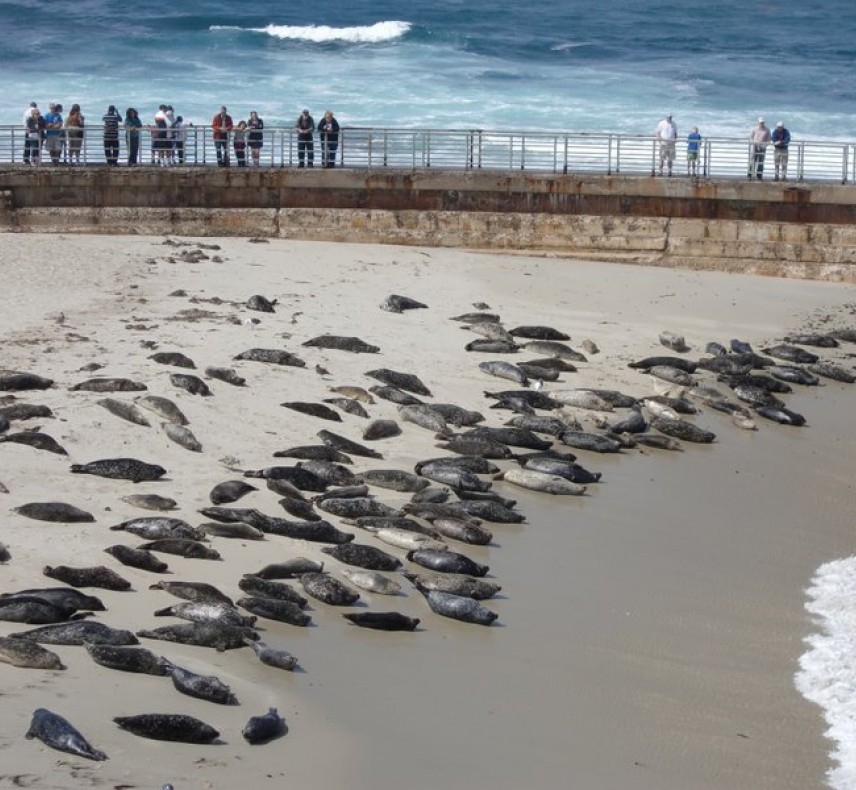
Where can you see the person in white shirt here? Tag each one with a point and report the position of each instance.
(759, 138)
(667, 134)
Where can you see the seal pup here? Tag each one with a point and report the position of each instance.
(261, 729)
(121, 469)
(459, 607)
(26, 654)
(55, 731)
(207, 687)
(168, 727)
(383, 621)
(95, 576)
(281, 659)
(54, 511)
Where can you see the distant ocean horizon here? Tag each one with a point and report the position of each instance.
(574, 66)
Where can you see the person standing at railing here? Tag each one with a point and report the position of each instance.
(328, 127)
(34, 133)
(255, 136)
(759, 138)
(239, 143)
(305, 127)
(667, 134)
(693, 145)
(133, 124)
(29, 111)
(781, 139)
(222, 125)
(74, 133)
(53, 132)
(111, 120)
(179, 138)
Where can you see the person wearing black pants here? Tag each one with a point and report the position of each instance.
(305, 127)
(328, 127)
(111, 121)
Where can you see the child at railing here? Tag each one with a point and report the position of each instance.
(239, 143)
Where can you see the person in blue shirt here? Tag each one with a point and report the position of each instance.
(693, 145)
(53, 132)
(781, 139)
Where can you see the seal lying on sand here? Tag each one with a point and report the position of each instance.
(168, 727)
(55, 731)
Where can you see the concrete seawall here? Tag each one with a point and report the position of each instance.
(806, 231)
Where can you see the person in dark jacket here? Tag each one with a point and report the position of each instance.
(222, 126)
(305, 128)
(781, 139)
(133, 124)
(111, 121)
(255, 136)
(328, 126)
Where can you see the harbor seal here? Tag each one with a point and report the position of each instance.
(539, 333)
(216, 635)
(126, 658)
(371, 581)
(164, 408)
(281, 659)
(383, 621)
(95, 576)
(261, 304)
(328, 590)
(183, 436)
(17, 380)
(459, 607)
(54, 511)
(198, 612)
(261, 729)
(227, 375)
(137, 558)
(55, 731)
(363, 556)
(347, 446)
(26, 654)
(272, 356)
(168, 727)
(190, 383)
(381, 429)
(201, 592)
(230, 491)
(276, 609)
(404, 381)
(267, 588)
(174, 358)
(100, 384)
(398, 304)
(313, 410)
(76, 633)
(121, 469)
(454, 584)
(205, 687)
(314, 452)
(353, 344)
(349, 406)
(395, 395)
(35, 439)
(447, 562)
(150, 501)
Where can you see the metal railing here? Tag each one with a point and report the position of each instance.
(445, 149)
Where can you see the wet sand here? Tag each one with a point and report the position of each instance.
(648, 632)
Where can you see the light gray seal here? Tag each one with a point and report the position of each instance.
(150, 501)
(261, 729)
(55, 731)
(542, 481)
(100, 384)
(183, 436)
(158, 528)
(26, 654)
(217, 613)
(505, 370)
(371, 581)
(459, 607)
(164, 408)
(281, 659)
(168, 727)
(35, 439)
(393, 479)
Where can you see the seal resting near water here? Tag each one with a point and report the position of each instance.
(55, 731)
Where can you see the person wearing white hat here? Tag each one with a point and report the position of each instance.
(781, 139)
(759, 139)
(667, 134)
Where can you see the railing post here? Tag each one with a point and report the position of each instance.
(845, 166)
(617, 154)
(565, 165)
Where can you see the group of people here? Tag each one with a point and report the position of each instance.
(760, 138)
(63, 138)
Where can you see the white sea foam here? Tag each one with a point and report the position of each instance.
(323, 34)
(827, 672)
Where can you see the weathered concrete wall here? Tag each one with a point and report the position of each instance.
(776, 229)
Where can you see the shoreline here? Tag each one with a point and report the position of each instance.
(649, 632)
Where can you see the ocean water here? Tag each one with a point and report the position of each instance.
(573, 65)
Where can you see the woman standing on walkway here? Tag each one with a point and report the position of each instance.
(74, 133)
(133, 124)
(255, 136)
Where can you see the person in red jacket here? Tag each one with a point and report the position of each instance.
(222, 125)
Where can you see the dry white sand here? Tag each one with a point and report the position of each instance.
(648, 632)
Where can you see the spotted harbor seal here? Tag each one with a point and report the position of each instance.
(830, 371)
(216, 613)
(267, 588)
(76, 633)
(273, 356)
(405, 538)
(425, 417)
(313, 410)
(383, 621)
(164, 408)
(354, 507)
(354, 393)
(16, 380)
(345, 445)
(95, 576)
(55, 731)
(100, 384)
(487, 346)
(261, 729)
(463, 531)
(216, 635)
(281, 659)
(35, 439)
(137, 558)
(64, 596)
(447, 562)
(454, 584)
(158, 528)
(790, 353)
(237, 530)
(781, 415)
(26, 654)
(329, 590)
(205, 687)
(398, 304)
(459, 607)
(276, 609)
(36, 611)
(174, 358)
(393, 479)
(371, 581)
(227, 375)
(363, 556)
(54, 511)
(193, 591)
(126, 658)
(395, 395)
(349, 406)
(404, 381)
(121, 469)
(168, 727)
(190, 383)
(353, 344)
(681, 429)
(492, 330)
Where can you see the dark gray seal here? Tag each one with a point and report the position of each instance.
(395, 395)
(299, 508)
(596, 442)
(272, 356)
(393, 479)
(276, 609)
(100, 384)
(267, 588)
(24, 411)
(281, 659)
(201, 592)
(54, 511)
(793, 354)
(475, 318)
(261, 729)
(237, 530)
(182, 547)
(313, 410)
(16, 380)
(487, 346)
(228, 375)
(516, 437)
(404, 381)
(168, 727)
(459, 607)
(190, 383)
(353, 344)
(261, 304)
(299, 476)
(76, 633)
(354, 507)
(314, 452)
(363, 556)
(36, 611)
(505, 370)
(95, 576)
(345, 445)
(781, 415)
(830, 371)
(447, 562)
(328, 590)
(538, 333)
(137, 558)
(230, 491)
(174, 358)
(35, 439)
(26, 654)
(290, 569)
(205, 687)
(398, 304)
(455, 584)
(126, 658)
(457, 415)
(55, 731)
(381, 429)
(121, 469)
(681, 429)
(159, 527)
(687, 365)
(220, 637)
(64, 596)
(383, 621)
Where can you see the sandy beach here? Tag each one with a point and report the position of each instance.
(648, 631)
